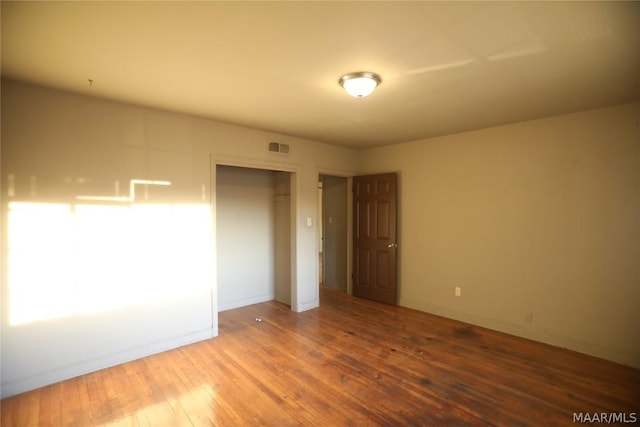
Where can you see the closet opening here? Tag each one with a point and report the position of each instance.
(253, 236)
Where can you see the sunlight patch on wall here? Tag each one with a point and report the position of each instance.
(67, 259)
(40, 264)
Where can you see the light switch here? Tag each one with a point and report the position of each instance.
(309, 221)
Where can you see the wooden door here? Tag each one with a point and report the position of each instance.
(374, 237)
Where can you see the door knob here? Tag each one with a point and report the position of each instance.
(392, 245)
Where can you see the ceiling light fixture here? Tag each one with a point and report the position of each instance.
(360, 84)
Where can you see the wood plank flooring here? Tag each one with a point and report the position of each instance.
(350, 362)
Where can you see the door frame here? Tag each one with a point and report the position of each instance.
(350, 243)
(349, 236)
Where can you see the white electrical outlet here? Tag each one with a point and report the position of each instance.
(458, 291)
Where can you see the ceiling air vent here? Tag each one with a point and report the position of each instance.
(279, 147)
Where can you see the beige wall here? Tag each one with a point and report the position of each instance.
(57, 146)
(540, 217)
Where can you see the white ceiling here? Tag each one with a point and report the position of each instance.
(446, 67)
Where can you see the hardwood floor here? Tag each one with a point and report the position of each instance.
(350, 362)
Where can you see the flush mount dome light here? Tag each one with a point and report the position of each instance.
(360, 84)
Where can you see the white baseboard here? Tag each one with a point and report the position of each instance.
(41, 380)
(244, 302)
(309, 305)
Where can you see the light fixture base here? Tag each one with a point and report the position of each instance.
(360, 84)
